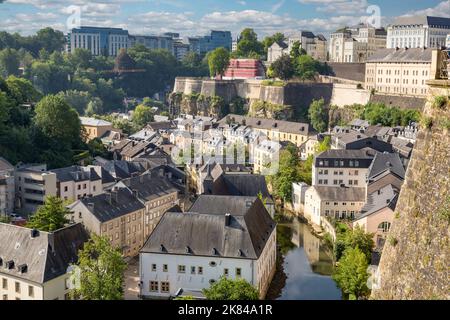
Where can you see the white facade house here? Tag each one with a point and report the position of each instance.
(418, 32)
(209, 245)
(36, 265)
(334, 168)
(356, 44)
(276, 50)
(99, 41)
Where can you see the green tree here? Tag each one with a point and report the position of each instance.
(57, 120)
(218, 61)
(324, 145)
(21, 90)
(78, 100)
(270, 40)
(142, 115)
(357, 238)
(227, 289)
(318, 114)
(283, 68)
(101, 269)
(9, 62)
(95, 106)
(51, 40)
(297, 50)
(306, 67)
(351, 274)
(50, 216)
(248, 45)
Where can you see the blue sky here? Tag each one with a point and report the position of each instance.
(196, 17)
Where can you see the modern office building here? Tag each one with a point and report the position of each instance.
(153, 42)
(99, 41)
(418, 32)
(216, 40)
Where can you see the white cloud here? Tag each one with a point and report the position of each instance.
(441, 10)
(339, 6)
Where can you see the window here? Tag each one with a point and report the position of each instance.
(5, 297)
(79, 187)
(225, 272)
(154, 286)
(66, 189)
(192, 270)
(165, 268)
(17, 287)
(181, 269)
(238, 272)
(153, 267)
(5, 283)
(165, 286)
(384, 226)
(200, 270)
(30, 291)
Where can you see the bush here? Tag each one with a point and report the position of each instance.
(273, 83)
(440, 102)
(392, 241)
(427, 122)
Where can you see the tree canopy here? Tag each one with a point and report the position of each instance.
(101, 269)
(218, 61)
(228, 289)
(283, 68)
(318, 115)
(248, 45)
(51, 216)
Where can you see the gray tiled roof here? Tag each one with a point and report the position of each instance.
(422, 20)
(46, 256)
(341, 193)
(241, 185)
(268, 124)
(122, 202)
(402, 55)
(386, 197)
(347, 154)
(386, 162)
(75, 173)
(203, 229)
(149, 186)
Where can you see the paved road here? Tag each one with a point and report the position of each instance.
(132, 279)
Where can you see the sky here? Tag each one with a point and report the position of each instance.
(197, 17)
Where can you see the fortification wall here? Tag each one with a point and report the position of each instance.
(345, 94)
(414, 263)
(399, 101)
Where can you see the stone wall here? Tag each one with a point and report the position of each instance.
(399, 101)
(344, 94)
(415, 259)
(350, 71)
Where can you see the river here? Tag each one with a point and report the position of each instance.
(305, 266)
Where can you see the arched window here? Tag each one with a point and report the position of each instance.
(384, 226)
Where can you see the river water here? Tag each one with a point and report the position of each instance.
(305, 266)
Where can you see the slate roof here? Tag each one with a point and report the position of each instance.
(341, 193)
(422, 20)
(5, 165)
(149, 186)
(46, 256)
(268, 124)
(405, 55)
(307, 34)
(120, 169)
(386, 197)
(162, 125)
(282, 44)
(386, 162)
(347, 154)
(94, 122)
(203, 229)
(76, 173)
(241, 185)
(122, 203)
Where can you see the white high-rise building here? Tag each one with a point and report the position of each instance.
(418, 32)
(99, 41)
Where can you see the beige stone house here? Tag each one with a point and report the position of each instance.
(95, 128)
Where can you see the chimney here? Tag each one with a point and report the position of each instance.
(34, 233)
(115, 196)
(135, 193)
(227, 219)
(91, 207)
(108, 197)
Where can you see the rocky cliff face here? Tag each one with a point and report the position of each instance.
(415, 260)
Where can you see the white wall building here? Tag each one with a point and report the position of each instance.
(99, 41)
(334, 168)
(356, 44)
(418, 32)
(208, 245)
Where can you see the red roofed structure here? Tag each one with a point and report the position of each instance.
(245, 69)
